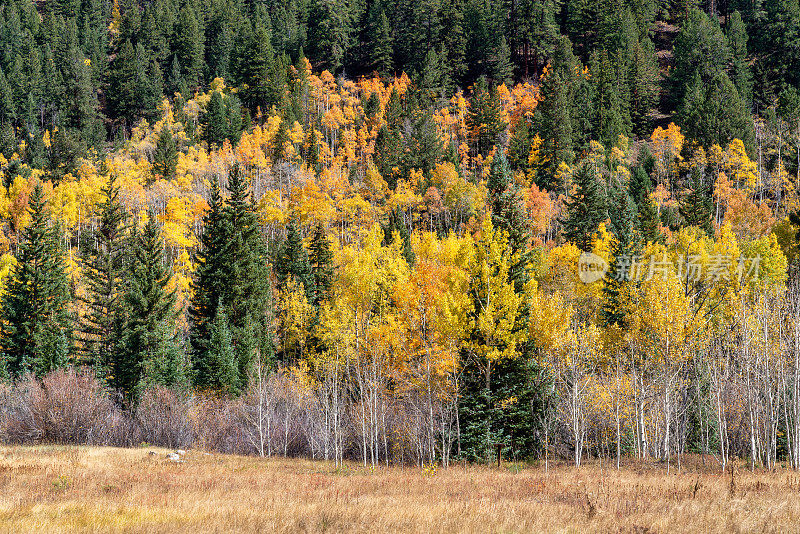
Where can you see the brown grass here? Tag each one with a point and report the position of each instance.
(66, 489)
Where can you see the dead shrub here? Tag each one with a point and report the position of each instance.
(163, 418)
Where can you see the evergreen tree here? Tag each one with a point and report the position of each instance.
(103, 257)
(716, 114)
(217, 128)
(382, 51)
(256, 64)
(208, 290)
(644, 77)
(330, 30)
(700, 48)
(585, 207)
(223, 373)
(648, 223)
(434, 73)
(697, 206)
(122, 97)
(36, 328)
(321, 259)
(501, 69)
(189, 46)
(554, 125)
(231, 276)
(165, 157)
(151, 354)
(508, 213)
(623, 250)
(247, 296)
(519, 147)
(740, 72)
(396, 227)
(293, 261)
(423, 146)
(485, 118)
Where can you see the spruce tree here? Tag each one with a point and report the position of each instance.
(248, 291)
(383, 49)
(501, 68)
(208, 287)
(223, 373)
(35, 331)
(256, 64)
(396, 224)
(293, 261)
(504, 200)
(519, 147)
(639, 189)
(216, 120)
(696, 205)
(585, 207)
(485, 117)
(740, 72)
(122, 98)
(150, 350)
(189, 46)
(165, 157)
(103, 258)
(321, 260)
(554, 125)
(625, 246)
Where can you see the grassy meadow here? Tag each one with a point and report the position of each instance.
(94, 489)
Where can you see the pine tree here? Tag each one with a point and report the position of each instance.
(223, 373)
(383, 50)
(36, 327)
(423, 146)
(623, 250)
(612, 118)
(189, 46)
(103, 258)
(501, 68)
(165, 157)
(151, 354)
(279, 142)
(122, 97)
(504, 201)
(7, 112)
(217, 128)
(331, 30)
(433, 77)
(585, 207)
(519, 147)
(396, 227)
(700, 48)
(321, 259)
(554, 125)
(716, 114)
(644, 77)
(293, 261)
(249, 307)
(234, 119)
(208, 288)
(740, 72)
(257, 63)
(648, 223)
(485, 118)
(697, 206)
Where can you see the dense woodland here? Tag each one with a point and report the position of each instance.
(356, 227)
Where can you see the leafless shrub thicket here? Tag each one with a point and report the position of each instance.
(279, 415)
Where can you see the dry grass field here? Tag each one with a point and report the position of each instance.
(85, 489)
